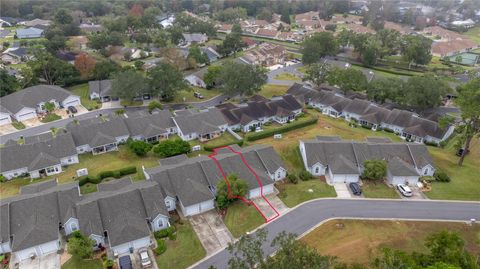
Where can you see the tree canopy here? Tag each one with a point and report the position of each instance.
(228, 193)
(237, 78)
(128, 84)
(165, 81)
(80, 245)
(8, 84)
(374, 169)
(317, 73)
(318, 46)
(347, 79)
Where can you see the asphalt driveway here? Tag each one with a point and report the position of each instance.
(211, 231)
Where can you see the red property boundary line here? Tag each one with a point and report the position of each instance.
(245, 200)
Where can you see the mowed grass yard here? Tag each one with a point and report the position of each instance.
(287, 76)
(184, 251)
(76, 263)
(94, 164)
(473, 34)
(294, 194)
(270, 90)
(82, 91)
(359, 241)
(241, 218)
(187, 95)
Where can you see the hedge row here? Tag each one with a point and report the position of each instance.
(214, 146)
(102, 175)
(283, 129)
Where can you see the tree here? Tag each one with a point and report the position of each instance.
(247, 251)
(104, 69)
(165, 81)
(416, 49)
(171, 147)
(84, 64)
(347, 79)
(317, 46)
(62, 16)
(199, 56)
(425, 91)
(374, 169)
(154, 104)
(386, 88)
(136, 11)
(232, 42)
(53, 70)
(128, 84)
(80, 245)
(229, 192)
(211, 77)
(49, 107)
(8, 84)
(139, 147)
(237, 78)
(371, 53)
(231, 15)
(317, 73)
(285, 17)
(265, 14)
(469, 102)
(55, 43)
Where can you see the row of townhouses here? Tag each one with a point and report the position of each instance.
(122, 215)
(408, 125)
(342, 161)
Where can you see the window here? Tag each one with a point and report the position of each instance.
(426, 171)
(279, 174)
(73, 226)
(160, 223)
(317, 170)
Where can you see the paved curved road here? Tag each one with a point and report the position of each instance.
(306, 216)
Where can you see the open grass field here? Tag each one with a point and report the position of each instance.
(378, 190)
(241, 218)
(76, 263)
(294, 194)
(269, 90)
(473, 34)
(187, 95)
(184, 251)
(287, 76)
(82, 91)
(359, 241)
(94, 164)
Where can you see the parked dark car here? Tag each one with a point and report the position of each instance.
(125, 262)
(356, 190)
(72, 109)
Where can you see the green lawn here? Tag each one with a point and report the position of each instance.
(242, 218)
(378, 190)
(94, 164)
(360, 241)
(18, 125)
(269, 90)
(76, 263)
(50, 117)
(287, 76)
(184, 251)
(473, 34)
(187, 95)
(82, 91)
(88, 188)
(226, 138)
(294, 194)
(131, 103)
(465, 180)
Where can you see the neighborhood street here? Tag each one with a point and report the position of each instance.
(305, 217)
(291, 69)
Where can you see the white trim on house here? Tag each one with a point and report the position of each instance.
(38, 251)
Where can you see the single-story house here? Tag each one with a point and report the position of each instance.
(198, 38)
(100, 89)
(255, 113)
(36, 22)
(33, 221)
(195, 81)
(190, 184)
(26, 103)
(38, 157)
(123, 215)
(342, 161)
(15, 55)
(90, 28)
(211, 53)
(98, 135)
(151, 127)
(4, 116)
(29, 33)
(204, 125)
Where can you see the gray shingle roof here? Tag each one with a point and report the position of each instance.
(101, 87)
(151, 124)
(398, 167)
(190, 123)
(97, 132)
(31, 96)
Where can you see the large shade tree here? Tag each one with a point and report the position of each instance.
(318, 46)
(242, 79)
(165, 81)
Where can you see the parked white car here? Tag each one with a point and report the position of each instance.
(144, 258)
(404, 190)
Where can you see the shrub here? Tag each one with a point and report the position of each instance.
(172, 236)
(139, 147)
(225, 195)
(128, 170)
(117, 174)
(374, 169)
(88, 179)
(94, 180)
(292, 178)
(433, 144)
(154, 104)
(388, 130)
(161, 247)
(160, 234)
(282, 129)
(441, 176)
(120, 111)
(3, 178)
(105, 174)
(109, 263)
(170, 148)
(304, 175)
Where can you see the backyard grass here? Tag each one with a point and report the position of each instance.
(473, 34)
(82, 91)
(242, 218)
(88, 188)
(131, 103)
(187, 95)
(225, 138)
(287, 76)
(465, 180)
(50, 117)
(378, 190)
(77, 263)
(18, 125)
(187, 244)
(94, 164)
(270, 90)
(359, 241)
(294, 194)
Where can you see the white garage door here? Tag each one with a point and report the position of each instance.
(345, 178)
(49, 248)
(75, 102)
(254, 193)
(4, 121)
(26, 116)
(192, 210)
(25, 254)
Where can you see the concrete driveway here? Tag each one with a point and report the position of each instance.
(137, 263)
(342, 190)
(7, 128)
(211, 231)
(50, 261)
(416, 194)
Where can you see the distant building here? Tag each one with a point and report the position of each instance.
(266, 54)
(29, 33)
(36, 22)
(198, 38)
(91, 28)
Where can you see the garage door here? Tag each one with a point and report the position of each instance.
(48, 248)
(4, 121)
(25, 254)
(72, 103)
(194, 209)
(26, 116)
(254, 193)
